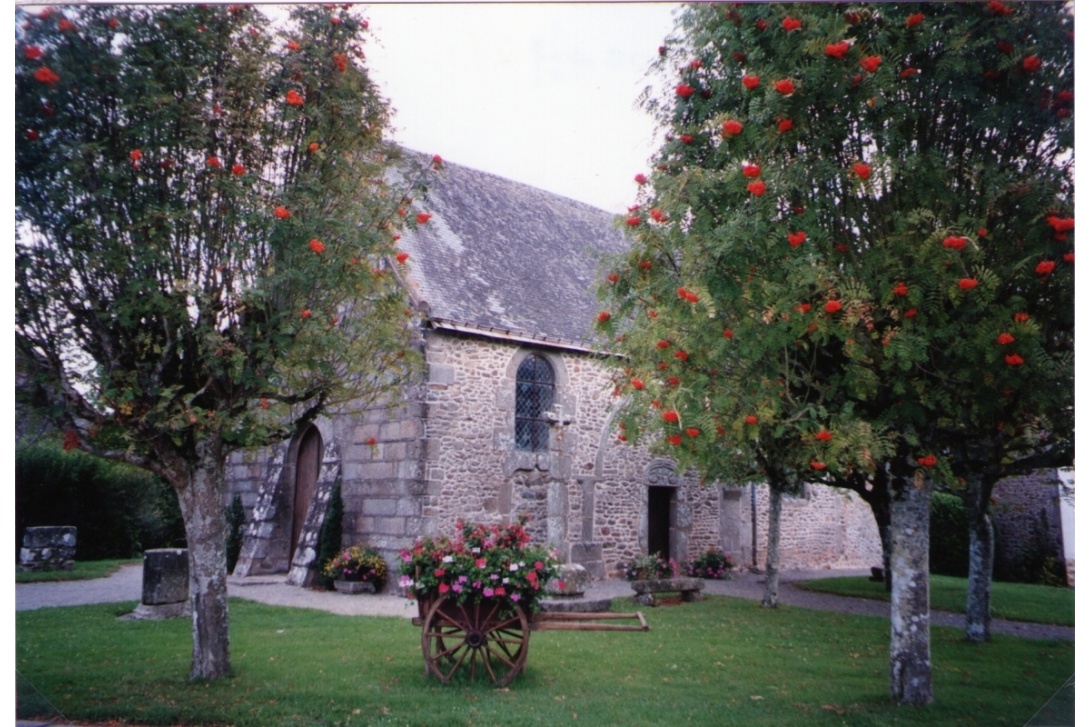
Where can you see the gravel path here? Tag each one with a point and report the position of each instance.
(126, 585)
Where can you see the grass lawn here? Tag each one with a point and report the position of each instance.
(720, 661)
(82, 570)
(1014, 601)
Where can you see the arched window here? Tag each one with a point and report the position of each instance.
(534, 387)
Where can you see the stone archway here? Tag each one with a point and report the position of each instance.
(667, 516)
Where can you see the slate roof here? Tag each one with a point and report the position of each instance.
(503, 259)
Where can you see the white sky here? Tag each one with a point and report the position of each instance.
(542, 94)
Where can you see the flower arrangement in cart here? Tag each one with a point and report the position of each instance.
(482, 561)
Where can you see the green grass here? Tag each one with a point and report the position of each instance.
(1014, 601)
(82, 570)
(719, 661)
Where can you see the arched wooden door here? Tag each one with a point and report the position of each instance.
(308, 465)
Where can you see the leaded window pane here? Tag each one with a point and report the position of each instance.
(534, 388)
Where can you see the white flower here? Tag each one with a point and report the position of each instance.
(513, 567)
(448, 558)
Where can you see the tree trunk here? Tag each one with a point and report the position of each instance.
(910, 613)
(978, 602)
(772, 562)
(201, 500)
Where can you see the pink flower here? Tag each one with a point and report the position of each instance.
(443, 588)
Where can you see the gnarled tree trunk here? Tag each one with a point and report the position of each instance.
(772, 562)
(201, 500)
(910, 611)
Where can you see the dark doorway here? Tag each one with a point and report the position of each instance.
(308, 464)
(660, 505)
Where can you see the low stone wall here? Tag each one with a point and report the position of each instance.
(46, 548)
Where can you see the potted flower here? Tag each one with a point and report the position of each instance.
(713, 563)
(357, 569)
(650, 568)
(481, 562)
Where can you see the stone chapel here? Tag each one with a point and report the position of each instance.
(513, 416)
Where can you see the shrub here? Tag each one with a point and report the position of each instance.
(118, 510)
(329, 537)
(650, 567)
(236, 518)
(949, 535)
(713, 563)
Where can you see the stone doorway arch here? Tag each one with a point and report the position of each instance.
(308, 466)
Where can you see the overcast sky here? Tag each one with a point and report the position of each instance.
(543, 94)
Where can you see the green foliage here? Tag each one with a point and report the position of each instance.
(949, 535)
(331, 532)
(853, 204)
(718, 661)
(118, 510)
(236, 519)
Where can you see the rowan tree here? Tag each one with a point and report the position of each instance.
(204, 244)
(858, 232)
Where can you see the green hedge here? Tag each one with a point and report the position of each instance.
(119, 510)
(949, 535)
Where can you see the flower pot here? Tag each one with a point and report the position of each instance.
(354, 586)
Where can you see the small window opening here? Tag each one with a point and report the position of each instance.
(535, 385)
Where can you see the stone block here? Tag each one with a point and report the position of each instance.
(49, 547)
(571, 580)
(166, 576)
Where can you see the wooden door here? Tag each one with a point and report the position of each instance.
(308, 463)
(660, 505)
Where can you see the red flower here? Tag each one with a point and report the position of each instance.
(1021, 317)
(803, 308)
(33, 135)
(436, 161)
(1061, 224)
(728, 333)
(282, 212)
(46, 76)
(751, 170)
(292, 45)
(750, 419)
(613, 277)
(674, 439)
(673, 381)
(32, 52)
(914, 20)
(861, 170)
(693, 432)
(317, 246)
(838, 50)
(264, 403)
(633, 221)
(670, 416)
(604, 316)
(681, 355)
(213, 161)
(955, 243)
(1013, 359)
(785, 86)
(340, 61)
(796, 238)
(928, 460)
(751, 82)
(663, 344)
(817, 465)
(1031, 64)
(696, 64)
(305, 313)
(645, 264)
(64, 25)
(686, 294)
(637, 384)
(756, 188)
(909, 72)
(1004, 47)
(870, 63)
(684, 90)
(761, 24)
(686, 139)
(790, 24)
(641, 179)
(658, 215)
(1004, 338)
(1069, 257)
(833, 306)
(313, 146)
(732, 128)
(136, 155)
(401, 257)
(293, 98)
(422, 218)
(1045, 267)
(998, 8)
(900, 289)
(786, 125)
(982, 232)
(824, 435)
(238, 170)
(71, 440)
(967, 283)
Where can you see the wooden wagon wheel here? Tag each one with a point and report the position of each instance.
(490, 638)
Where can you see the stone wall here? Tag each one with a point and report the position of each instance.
(1027, 508)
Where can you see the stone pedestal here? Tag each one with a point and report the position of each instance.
(352, 587)
(51, 547)
(166, 585)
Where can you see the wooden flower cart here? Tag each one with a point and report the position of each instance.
(491, 637)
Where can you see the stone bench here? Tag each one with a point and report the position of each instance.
(689, 588)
